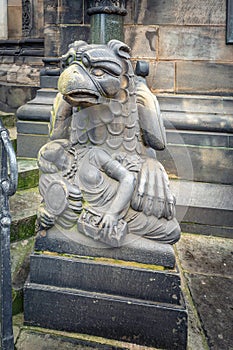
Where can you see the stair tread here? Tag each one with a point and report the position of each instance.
(202, 194)
(103, 296)
(24, 203)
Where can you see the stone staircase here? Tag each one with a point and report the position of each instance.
(23, 206)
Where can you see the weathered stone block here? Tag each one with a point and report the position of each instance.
(71, 11)
(220, 106)
(207, 164)
(180, 12)
(52, 40)
(130, 7)
(121, 318)
(114, 277)
(27, 127)
(200, 138)
(211, 306)
(143, 41)
(15, 21)
(194, 43)
(17, 95)
(161, 76)
(204, 77)
(72, 33)
(12, 73)
(28, 146)
(50, 11)
(7, 59)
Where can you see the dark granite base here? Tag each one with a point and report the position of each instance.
(142, 322)
(130, 293)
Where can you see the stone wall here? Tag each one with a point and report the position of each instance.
(183, 40)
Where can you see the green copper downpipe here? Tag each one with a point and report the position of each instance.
(107, 19)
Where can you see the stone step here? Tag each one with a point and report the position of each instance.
(13, 137)
(105, 315)
(23, 207)
(198, 163)
(28, 173)
(8, 119)
(204, 208)
(37, 339)
(20, 252)
(115, 277)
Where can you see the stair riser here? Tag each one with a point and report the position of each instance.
(205, 164)
(107, 316)
(88, 275)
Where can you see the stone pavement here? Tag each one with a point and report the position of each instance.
(206, 265)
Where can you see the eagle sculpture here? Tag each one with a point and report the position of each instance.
(99, 172)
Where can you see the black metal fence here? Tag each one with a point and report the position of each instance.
(8, 185)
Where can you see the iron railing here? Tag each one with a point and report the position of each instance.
(8, 185)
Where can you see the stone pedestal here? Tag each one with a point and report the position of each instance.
(33, 118)
(130, 293)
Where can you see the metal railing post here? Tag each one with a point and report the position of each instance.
(8, 185)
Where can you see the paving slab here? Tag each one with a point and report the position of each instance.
(213, 299)
(24, 205)
(207, 266)
(206, 255)
(33, 339)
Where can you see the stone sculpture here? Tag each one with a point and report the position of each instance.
(99, 172)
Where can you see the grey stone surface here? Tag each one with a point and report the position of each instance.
(200, 138)
(180, 12)
(36, 340)
(162, 76)
(34, 111)
(204, 77)
(207, 265)
(114, 277)
(206, 255)
(190, 43)
(71, 33)
(198, 113)
(214, 306)
(208, 214)
(71, 12)
(48, 81)
(209, 230)
(134, 249)
(106, 315)
(208, 164)
(143, 36)
(28, 145)
(13, 96)
(27, 127)
(203, 104)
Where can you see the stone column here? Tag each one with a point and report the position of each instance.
(106, 20)
(3, 20)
